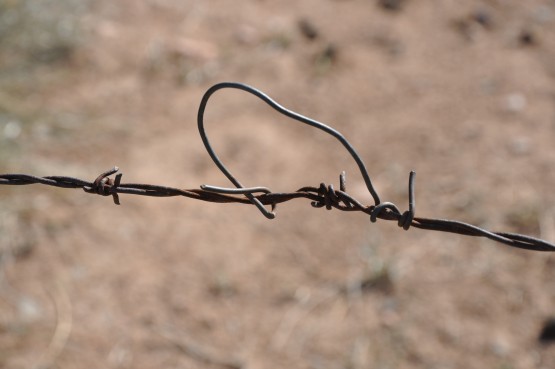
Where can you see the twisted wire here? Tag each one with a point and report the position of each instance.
(323, 196)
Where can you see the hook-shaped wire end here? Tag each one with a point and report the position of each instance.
(406, 219)
(260, 206)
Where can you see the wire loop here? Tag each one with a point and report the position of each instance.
(291, 114)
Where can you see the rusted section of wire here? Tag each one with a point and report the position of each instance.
(323, 196)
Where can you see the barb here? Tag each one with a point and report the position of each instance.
(322, 196)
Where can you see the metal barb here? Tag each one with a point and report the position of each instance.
(322, 196)
(105, 186)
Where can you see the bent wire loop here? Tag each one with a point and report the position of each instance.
(405, 219)
(322, 196)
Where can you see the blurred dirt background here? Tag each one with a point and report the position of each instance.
(461, 92)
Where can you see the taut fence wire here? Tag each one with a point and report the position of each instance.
(322, 196)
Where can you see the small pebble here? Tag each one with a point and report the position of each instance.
(308, 29)
(330, 52)
(29, 309)
(520, 146)
(527, 38)
(391, 5)
(501, 347)
(515, 102)
(326, 58)
(12, 130)
(483, 18)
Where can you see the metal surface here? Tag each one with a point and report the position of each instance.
(322, 196)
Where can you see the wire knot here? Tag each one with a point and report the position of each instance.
(405, 219)
(330, 198)
(105, 186)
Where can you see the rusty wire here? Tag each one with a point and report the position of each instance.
(322, 196)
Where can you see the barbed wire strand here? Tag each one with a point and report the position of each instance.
(321, 196)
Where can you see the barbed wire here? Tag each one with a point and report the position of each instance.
(323, 196)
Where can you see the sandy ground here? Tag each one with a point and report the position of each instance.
(464, 94)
